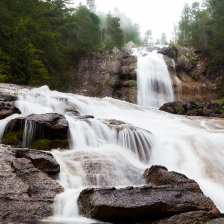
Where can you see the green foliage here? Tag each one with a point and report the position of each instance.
(20, 54)
(91, 5)
(178, 109)
(4, 66)
(163, 39)
(41, 144)
(113, 33)
(10, 138)
(62, 144)
(40, 41)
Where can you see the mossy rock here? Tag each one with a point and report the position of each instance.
(47, 144)
(178, 109)
(10, 138)
(62, 144)
(41, 144)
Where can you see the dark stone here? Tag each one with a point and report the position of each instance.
(169, 51)
(5, 98)
(41, 160)
(190, 217)
(85, 117)
(50, 126)
(194, 108)
(128, 205)
(26, 193)
(159, 175)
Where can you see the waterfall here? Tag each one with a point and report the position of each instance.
(154, 82)
(108, 153)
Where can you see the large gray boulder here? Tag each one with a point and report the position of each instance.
(26, 192)
(147, 203)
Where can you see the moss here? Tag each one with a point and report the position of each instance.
(10, 138)
(178, 109)
(168, 180)
(220, 100)
(41, 144)
(175, 47)
(132, 83)
(222, 111)
(63, 144)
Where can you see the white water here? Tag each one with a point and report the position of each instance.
(154, 83)
(100, 157)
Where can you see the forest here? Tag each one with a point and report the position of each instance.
(202, 27)
(41, 40)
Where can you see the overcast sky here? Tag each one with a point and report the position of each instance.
(156, 15)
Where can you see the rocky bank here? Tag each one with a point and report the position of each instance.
(192, 73)
(195, 108)
(27, 189)
(106, 73)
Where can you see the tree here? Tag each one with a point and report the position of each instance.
(184, 25)
(91, 5)
(148, 37)
(20, 54)
(163, 39)
(113, 31)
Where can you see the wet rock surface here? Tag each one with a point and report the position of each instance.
(195, 108)
(7, 106)
(149, 203)
(26, 192)
(159, 175)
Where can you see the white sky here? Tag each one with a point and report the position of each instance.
(155, 15)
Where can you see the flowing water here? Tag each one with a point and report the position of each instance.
(154, 82)
(105, 153)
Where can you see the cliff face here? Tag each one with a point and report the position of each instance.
(191, 73)
(104, 74)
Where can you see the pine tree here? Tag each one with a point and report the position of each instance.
(20, 54)
(114, 31)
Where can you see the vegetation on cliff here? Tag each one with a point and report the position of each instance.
(41, 40)
(203, 28)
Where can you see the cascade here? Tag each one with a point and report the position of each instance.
(104, 155)
(154, 82)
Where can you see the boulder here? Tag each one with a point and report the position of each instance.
(43, 161)
(146, 202)
(159, 175)
(36, 127)
(26, 192)
(169, 51)
(7, 106)
(194, 108)
(190, 217)
(176, 195)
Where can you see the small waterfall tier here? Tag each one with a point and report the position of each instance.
(154, 82)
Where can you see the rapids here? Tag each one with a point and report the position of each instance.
(100, 157)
